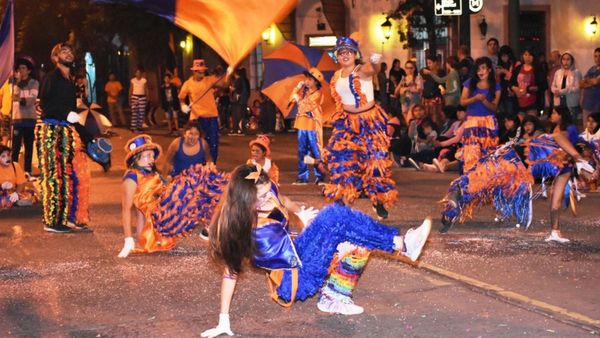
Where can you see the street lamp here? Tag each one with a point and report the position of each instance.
(386, 28)
(267, 34)
(483, 26)
(594, 26)
(182, 44)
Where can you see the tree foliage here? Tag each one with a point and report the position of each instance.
(421, 19)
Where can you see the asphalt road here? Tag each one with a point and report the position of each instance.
(483, 279)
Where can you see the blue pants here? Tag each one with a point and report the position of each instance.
(307, 145)
(210, 129)
(317, 244)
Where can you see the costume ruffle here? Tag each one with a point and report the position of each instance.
(317, 245)
(499, 178)
(358, 159)
(64, 190)
(189, 200)
(545, 158)
(479, 138)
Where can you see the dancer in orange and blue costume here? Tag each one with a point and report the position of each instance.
(309, 123)
(481, 95)
(357, 154)
(501, 178)
(326, 257)
(555, 156)
(164, 211)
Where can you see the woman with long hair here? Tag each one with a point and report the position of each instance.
(481, 95)
(410, 89)
(328, 256)
(526, 82)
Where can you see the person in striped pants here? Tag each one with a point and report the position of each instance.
(138, 100)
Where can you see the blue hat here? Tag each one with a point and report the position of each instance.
(345, 42)
(139, 144)
(99, 150)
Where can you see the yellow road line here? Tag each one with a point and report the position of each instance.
(511, 295)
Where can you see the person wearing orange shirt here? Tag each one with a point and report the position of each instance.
(113, 88)
(309, 124)
(202, 108)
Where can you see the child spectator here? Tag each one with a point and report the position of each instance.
(512, 127)
(14, 189)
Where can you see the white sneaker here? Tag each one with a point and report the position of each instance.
(415, 164)
(439, 165)
(346, 308)
(554, 237)
(415, 239)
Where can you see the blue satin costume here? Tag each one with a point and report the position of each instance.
(314, 248)
(308, 145)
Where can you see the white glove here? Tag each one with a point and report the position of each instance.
(185, 108)
(583, 165)
(375, 58)
(73, 117)
(307, 215)
(127, 247)
(14, 197)
(223, 327)
(7, 185)
(300, 85)
(345, 248)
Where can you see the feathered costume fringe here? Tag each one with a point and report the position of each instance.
(317, 245)
(499, 178)
(480, 137)
(189, 200)
(547, 160)
(64, 176)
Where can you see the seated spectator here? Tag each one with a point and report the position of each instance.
(530, 129)
(404, 146)
(396, 129)
(260, 154)
(14, 187)
(512, 126)
(447, 145)
(423, 148)
(591, 134)
(186, 151)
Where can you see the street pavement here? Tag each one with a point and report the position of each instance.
(482, 279)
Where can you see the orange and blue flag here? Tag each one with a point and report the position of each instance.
(7, 43)
(230, 27)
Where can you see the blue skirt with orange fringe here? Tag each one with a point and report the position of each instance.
(189, 201)
(479, 138)
(358, 159)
